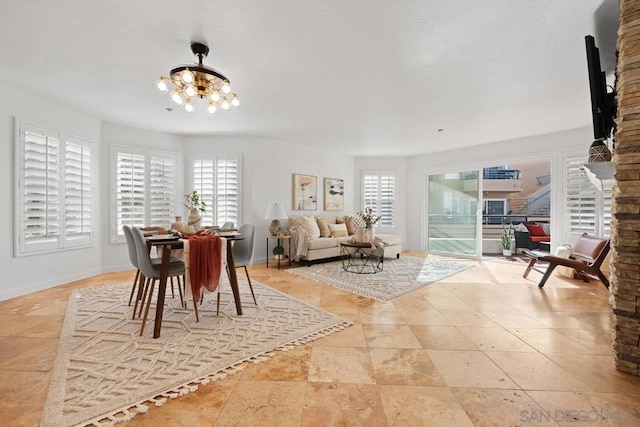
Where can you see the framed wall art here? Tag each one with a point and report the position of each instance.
(305, 192)
(333, 194)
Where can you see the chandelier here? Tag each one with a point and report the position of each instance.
(198, 80)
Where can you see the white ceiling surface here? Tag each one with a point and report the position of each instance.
(367, 77)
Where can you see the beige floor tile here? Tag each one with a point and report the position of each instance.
(30, 325)
(469, 369)
(513, 319)
(423, 316)
(598, 371)
(470, 317)
(421, 406)
(23, 395)
(390, 336)
(382, 315)
(486, 303)
(349, 313)
(292, 365)
(188, 410)
(442, 338)
(412, 300)
(331, 404)
(265, 403)
(353, 336)
(589, 409)
(450, 303)
(341, 365)
(596, 342)
(534, 371)
(404, 367)
(490, 407)
(494, 339)
(27, 354)
(549, 341)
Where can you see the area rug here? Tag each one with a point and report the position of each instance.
(106, 373)
(398, 277)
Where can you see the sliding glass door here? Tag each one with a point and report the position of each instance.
(453, 213)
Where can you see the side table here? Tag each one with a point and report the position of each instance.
(279, 240)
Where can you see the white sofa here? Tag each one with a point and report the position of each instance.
(319, 248)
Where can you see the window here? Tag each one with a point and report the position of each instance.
(144, 189)
(378, 193)
(588, 209)
(218, 183)
(53, 201)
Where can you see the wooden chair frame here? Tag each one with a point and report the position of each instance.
(589, 254)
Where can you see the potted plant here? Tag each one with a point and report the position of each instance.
(369, 220)
(505, 240)
(196, 206)
(278, 251)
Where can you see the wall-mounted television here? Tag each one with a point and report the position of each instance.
(603, 102)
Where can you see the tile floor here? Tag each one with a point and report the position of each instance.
(484, 347)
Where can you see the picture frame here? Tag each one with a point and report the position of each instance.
(333, 194)
(305, 192)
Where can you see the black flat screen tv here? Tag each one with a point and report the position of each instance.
(603, 103)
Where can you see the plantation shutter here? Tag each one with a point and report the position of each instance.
(53, 196)
(378, 193)
(77, 193)
(203, 173)
(581, 198)
(606, 213)
(162, 189)
(227, 190)
(41, 190)
(129, 191)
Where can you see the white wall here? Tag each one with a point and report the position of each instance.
(399, 166)
(115, 256)
(35, 272)
(550, 147)
(267, 168)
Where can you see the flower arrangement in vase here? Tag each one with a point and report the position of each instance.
(196, 206)
(369, 219)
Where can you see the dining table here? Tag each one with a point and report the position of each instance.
(173, 243)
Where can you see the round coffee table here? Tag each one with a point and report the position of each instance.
(362, 257)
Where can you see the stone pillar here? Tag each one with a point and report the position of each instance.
(625, 224)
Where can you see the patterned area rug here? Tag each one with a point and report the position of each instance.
(106, 373)
(398, 277)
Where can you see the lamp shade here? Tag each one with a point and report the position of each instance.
(275, 211)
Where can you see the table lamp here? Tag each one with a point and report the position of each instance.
(274, 212)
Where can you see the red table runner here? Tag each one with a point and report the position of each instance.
(205, 262)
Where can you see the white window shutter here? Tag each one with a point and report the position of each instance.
(588, 210)
(77, 194)
(129, 191)
(227, 190)
(378, 193)
(162, 190)
(40, 191)
(203, 179)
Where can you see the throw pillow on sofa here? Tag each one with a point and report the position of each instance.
(310, 226)
(338, 230)
(324, 227)
(535, 230)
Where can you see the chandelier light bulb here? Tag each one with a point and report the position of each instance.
(161, 85)
(175, 97)
(226, 88)
(190, 91)
(188, 77)
(214, 96)
(224, 104)
(235, 101)
(188, 107)
(211, 109)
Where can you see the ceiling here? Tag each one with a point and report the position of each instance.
(367, 77)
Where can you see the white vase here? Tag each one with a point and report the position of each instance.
(506, 252)
(194, 219)
(178, 225)
(364, 235)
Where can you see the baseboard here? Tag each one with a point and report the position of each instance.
(117, 268)
(12, 293)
